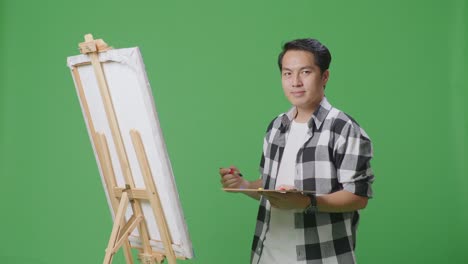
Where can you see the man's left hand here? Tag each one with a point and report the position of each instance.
(291, 200)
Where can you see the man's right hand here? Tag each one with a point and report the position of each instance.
(230, 178)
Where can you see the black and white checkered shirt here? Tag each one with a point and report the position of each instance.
(335, 156)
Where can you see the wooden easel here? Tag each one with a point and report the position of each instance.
(121, 197)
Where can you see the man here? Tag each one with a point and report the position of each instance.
(312, 147)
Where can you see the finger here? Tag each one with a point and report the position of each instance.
(234, 170)
(281, 188)
(230, 170)
(226, 178)
(229, 177)
(232, 186)
(231, 183)
(224, 171)
(284, 187)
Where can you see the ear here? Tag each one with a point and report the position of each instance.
(325, 76)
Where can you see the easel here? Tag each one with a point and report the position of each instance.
(121, 197)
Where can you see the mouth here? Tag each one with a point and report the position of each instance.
(298, 93)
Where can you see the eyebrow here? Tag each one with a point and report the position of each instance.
(302, 68)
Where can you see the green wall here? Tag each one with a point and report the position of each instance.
(399, 68)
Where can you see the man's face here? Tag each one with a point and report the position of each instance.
(303, 84)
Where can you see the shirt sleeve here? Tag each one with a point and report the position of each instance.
(352, 160)
(262, 163)
(264, 149)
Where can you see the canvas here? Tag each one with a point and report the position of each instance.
(134, 107)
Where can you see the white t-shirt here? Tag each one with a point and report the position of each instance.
(280, 241)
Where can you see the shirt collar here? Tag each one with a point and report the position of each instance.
(318, 117)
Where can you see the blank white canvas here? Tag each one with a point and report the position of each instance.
(135, 109)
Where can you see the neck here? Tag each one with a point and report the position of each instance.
(305, 113)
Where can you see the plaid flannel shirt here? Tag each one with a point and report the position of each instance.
(335, 156)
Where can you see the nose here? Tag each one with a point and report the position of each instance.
(296, 81)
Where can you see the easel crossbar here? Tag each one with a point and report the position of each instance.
(133, 193)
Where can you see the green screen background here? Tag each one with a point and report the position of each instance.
(399, 68)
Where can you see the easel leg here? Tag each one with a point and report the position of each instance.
(119, 218)
(128, 252)
(153, 196)
(102, 150)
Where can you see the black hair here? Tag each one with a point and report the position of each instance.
(321, 53)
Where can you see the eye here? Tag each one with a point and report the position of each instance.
(306, 72)
(286, 74)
